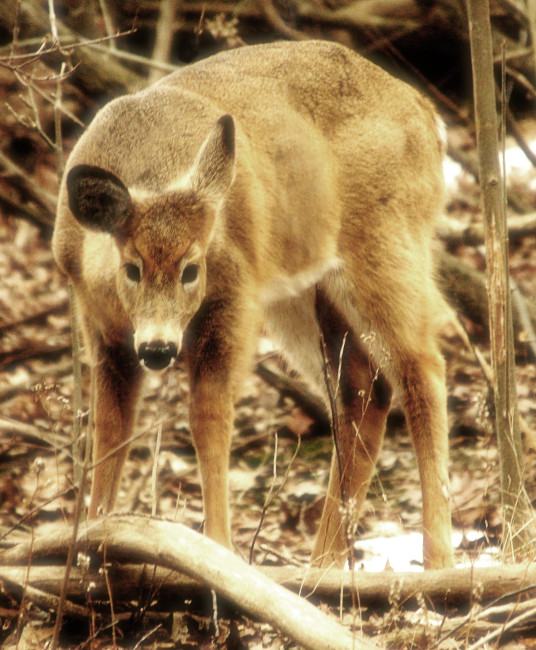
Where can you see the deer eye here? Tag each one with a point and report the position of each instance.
(189, 273)
(133, 272)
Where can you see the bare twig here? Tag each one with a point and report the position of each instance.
(522, 311)
(522, 81)
(27, 209)
(529, 615)
(31, 82)
(71, 43)
(272, 493)
(154, 475)
(105, 567)
(79, 506)
(98, 71)
(531, 15)
(80, 466)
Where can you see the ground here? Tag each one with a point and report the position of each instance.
(36, 392)
(276, 450)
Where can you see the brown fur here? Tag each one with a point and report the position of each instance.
(311, 209)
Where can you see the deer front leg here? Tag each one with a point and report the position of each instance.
(116, 381)
(220, 342)
(211, 422)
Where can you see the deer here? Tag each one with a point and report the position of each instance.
(290, 188)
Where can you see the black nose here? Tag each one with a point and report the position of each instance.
(157, 355)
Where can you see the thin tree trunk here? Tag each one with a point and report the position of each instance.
(519, 530)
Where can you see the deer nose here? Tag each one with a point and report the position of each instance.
(157, 355)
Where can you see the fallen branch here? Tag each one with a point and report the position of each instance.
(446, 587)
(17, 587)
(297, 390)
(175, 547)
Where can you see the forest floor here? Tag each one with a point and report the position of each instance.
(36, 473)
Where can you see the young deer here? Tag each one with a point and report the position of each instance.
(292, 186)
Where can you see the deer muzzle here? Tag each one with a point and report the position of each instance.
(157, 355)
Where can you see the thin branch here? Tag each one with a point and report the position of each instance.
(522, 81)
(531, 15)
(98, 71)
(108, 24)
(136, 58)
(522, 311)
(272, 493)
(53, 25)
(273, 17)
(519, 138)
(165, 31)
(514, 622)
(39, 194)
(468, 162)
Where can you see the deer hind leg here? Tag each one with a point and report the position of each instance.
(116, 382)
(422, 379)
(417, 369)
(362, 406)
(406, 320)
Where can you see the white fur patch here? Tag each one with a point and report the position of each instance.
(151, 331)
(441, 130)
(184, 182)
(283, 287)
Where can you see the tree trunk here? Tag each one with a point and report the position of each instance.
(519, 530)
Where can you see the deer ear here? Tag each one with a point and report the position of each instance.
(97, 198)
(213, 170)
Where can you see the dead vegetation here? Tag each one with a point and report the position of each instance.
(55, 72)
